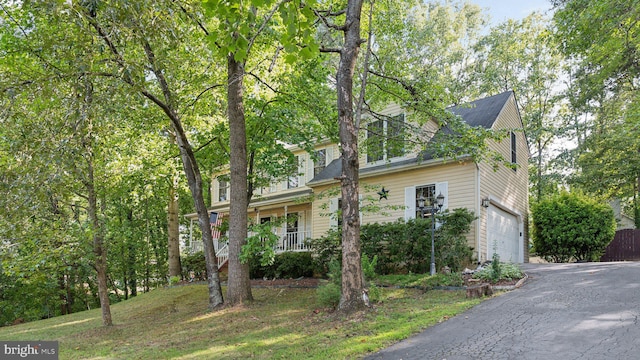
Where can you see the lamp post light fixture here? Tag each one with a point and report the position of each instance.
(436, 205)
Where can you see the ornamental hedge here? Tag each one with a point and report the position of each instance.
(405, 247)
(571, 226)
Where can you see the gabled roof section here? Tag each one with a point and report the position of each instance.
(482, 112)
(331, 171)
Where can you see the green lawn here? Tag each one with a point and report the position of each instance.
(174, 323)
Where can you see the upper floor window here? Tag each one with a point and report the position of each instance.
(514, 158)
(294, 180)
(320, 161)
(385, 138)
(223, 188)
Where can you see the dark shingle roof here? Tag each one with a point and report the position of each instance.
(482, 112)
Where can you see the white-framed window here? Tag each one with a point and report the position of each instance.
(320, 161)
(429, 194)
(386, 138)
(429, 191)
(294, 180)
(223, 188)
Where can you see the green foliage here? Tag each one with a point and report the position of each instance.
(329, 294)
(287, 265)
(501, 271)
(442, 280)
(572, 226)
(496, 269)
(400, 247)
(194, 263)
(369, 267)
(261, 245)
(326, 249)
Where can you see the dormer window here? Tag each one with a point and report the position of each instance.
(385, 138)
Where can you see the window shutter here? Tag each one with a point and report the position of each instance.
(333, 210)
(442, 188)
(409, 202)
(329, 154)
(214, 191)
(308, 168)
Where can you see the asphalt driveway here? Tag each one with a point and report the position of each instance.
(564, 311)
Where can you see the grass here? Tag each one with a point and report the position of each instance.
(174, 323)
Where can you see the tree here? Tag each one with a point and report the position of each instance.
(241, 28)
(142, 29)
(522, 55)
(352, 279)
(601, 38)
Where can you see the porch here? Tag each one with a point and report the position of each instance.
(287, 242)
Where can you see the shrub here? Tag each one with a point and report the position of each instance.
(325, 250)
(194, 262)
(572, 226)
(505, 271)
(330, 293)
(285, 266)
(404, 247)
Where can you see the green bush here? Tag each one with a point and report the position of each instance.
(328, 295)
(572, 226)
(405, 247)
(194, 262)
(502, 271)
(288, 265)
(326, 249)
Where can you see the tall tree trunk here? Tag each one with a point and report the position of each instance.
(174, 230)
(194, 179)
(99, 250)
(239, 286)
(352, 281)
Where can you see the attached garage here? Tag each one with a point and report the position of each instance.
(503, 235)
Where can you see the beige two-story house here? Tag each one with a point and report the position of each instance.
(498, 195)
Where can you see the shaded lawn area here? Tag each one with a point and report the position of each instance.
(174, 323)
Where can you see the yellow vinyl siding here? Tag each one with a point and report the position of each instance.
(461, 192)
(506, 186)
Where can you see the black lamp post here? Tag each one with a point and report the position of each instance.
(436, 205)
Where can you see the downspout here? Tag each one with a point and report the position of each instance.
(478, 210)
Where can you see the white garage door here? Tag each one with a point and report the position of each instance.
(503, 235)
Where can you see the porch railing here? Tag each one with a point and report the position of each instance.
(222, 255)
(292, 241)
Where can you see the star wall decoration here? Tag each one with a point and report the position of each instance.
(383, 194)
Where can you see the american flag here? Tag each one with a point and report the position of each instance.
(215, 219)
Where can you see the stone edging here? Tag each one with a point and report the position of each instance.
(512, 287)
